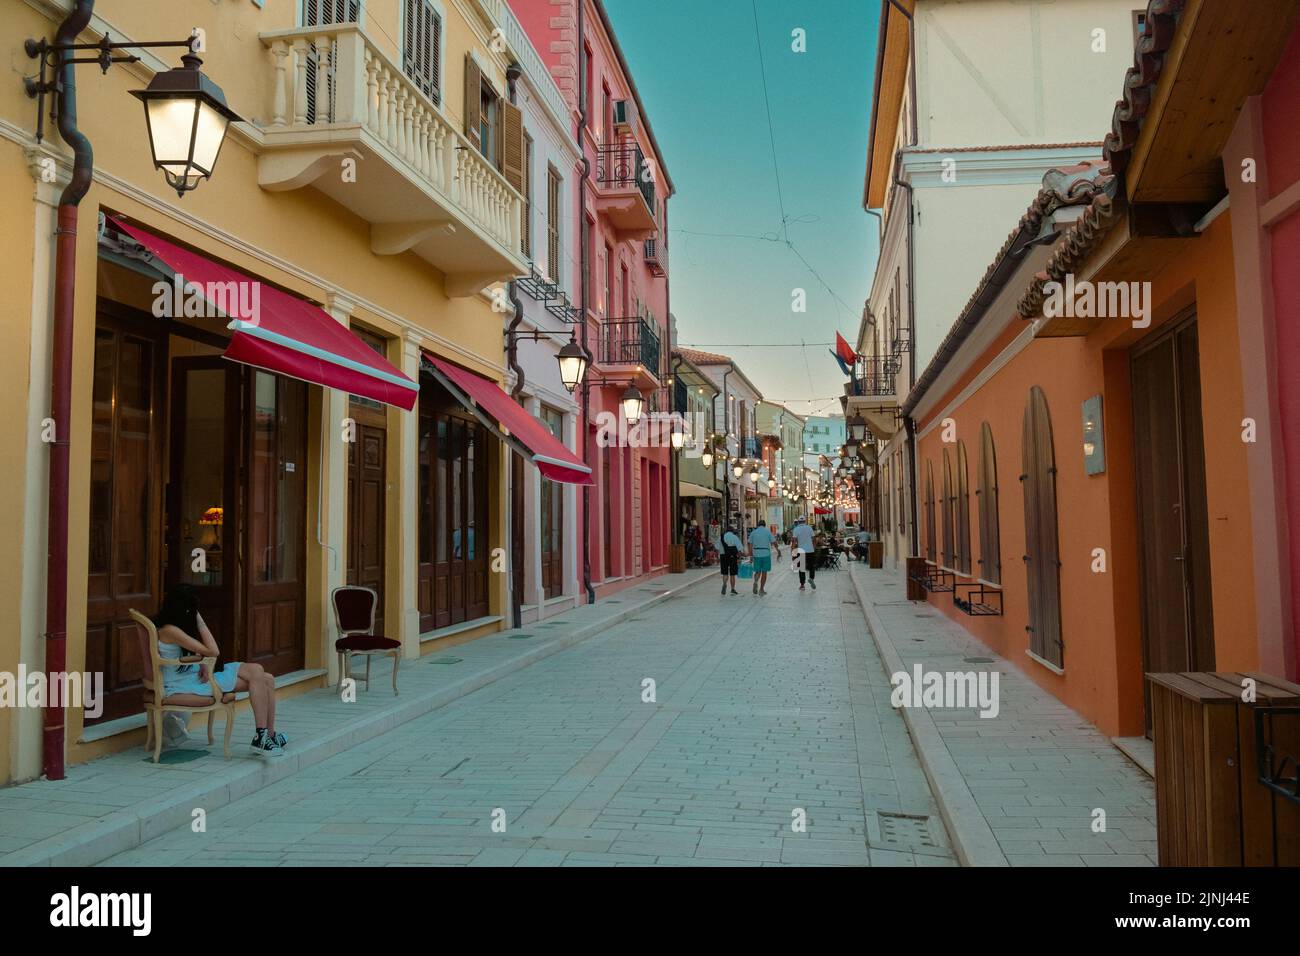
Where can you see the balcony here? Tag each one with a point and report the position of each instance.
(631, 342)
(413, 176)
(624, 191)
(656, 264)
(873, 394)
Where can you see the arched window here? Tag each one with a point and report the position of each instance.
(946, 507)
(990, 554)
(962, 511)
(1042, 557)
(929, 511)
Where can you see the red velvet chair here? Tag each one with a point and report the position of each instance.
(354, 616)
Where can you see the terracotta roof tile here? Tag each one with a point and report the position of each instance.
(1139, 82)
(697, 357)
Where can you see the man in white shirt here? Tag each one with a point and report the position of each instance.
(801, 552)
(730, 558)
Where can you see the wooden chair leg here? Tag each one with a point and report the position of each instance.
(343, 668)
(157, 733)
(212, 716)
(230, 726)
(396, 657)
(368, 657)
(148, 730)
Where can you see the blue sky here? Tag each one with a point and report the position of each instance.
(696, 65)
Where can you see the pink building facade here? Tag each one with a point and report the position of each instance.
(622, 288)
(1262, 169)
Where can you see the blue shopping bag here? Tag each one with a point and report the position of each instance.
(745, 571)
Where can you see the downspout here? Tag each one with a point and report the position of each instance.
(513, 72)
(585, 411)
(908, 423)
(674, 464)
(726, 433)
(911, 264)
(65, 272)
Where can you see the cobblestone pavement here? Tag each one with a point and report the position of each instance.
(1038, 774)
(767, 711)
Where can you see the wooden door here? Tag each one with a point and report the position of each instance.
(124, 557)
(367, 492)
(517, 550)
(1042, 553)
(273, 526)
(203, 508)
(1173, 526)
(454, 466)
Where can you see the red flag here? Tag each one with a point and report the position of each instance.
(844, 354)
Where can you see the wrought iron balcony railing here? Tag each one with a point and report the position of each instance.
(624, 164)
(630, 342)
(681, 396)
(874, 380)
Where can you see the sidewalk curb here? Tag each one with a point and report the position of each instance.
(123, 830)
(971, 834)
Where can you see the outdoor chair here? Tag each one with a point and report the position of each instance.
(155, 705)
(354, 616)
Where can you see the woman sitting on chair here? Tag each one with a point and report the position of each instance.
(181, 632)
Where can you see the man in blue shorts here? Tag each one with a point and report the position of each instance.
(760, 549)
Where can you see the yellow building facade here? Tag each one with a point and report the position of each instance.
(372, 177)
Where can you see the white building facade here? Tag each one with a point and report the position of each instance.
(972, 105)
(545, 558)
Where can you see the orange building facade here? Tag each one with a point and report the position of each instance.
(1086, 435)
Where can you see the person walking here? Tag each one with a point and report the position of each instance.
(730, 558)
(805, 546)
(760, 549)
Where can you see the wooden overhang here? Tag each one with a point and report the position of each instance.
(1194, 67)
(893, 49)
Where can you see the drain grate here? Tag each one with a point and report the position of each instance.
(447, 660)
(519, 637)
(979, 660)
(912, 829)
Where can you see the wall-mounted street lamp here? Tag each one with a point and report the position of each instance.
(678, 434)
(738, 469)
(187, 117)
(632, 403)
(706, 458)
(573, 365)
(771, 483)
(858, 428)
(753, 474)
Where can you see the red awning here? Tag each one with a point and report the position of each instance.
(822, 511)
(279, 332)
(500, 413)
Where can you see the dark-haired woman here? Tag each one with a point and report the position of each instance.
(181, 632)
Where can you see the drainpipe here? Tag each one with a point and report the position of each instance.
(908, 422)
(65, 271)
(726, 430)
(513, 72)
(585, 410)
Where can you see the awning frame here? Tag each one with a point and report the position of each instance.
(491, 424)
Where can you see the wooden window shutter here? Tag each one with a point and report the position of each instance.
(963, 510)
(526, 215)
(512, 145)
(990, 544)
(553, 223)
(946, 509)
(473, 99)
(421, 40)
(929, 511)
(1042, 558)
